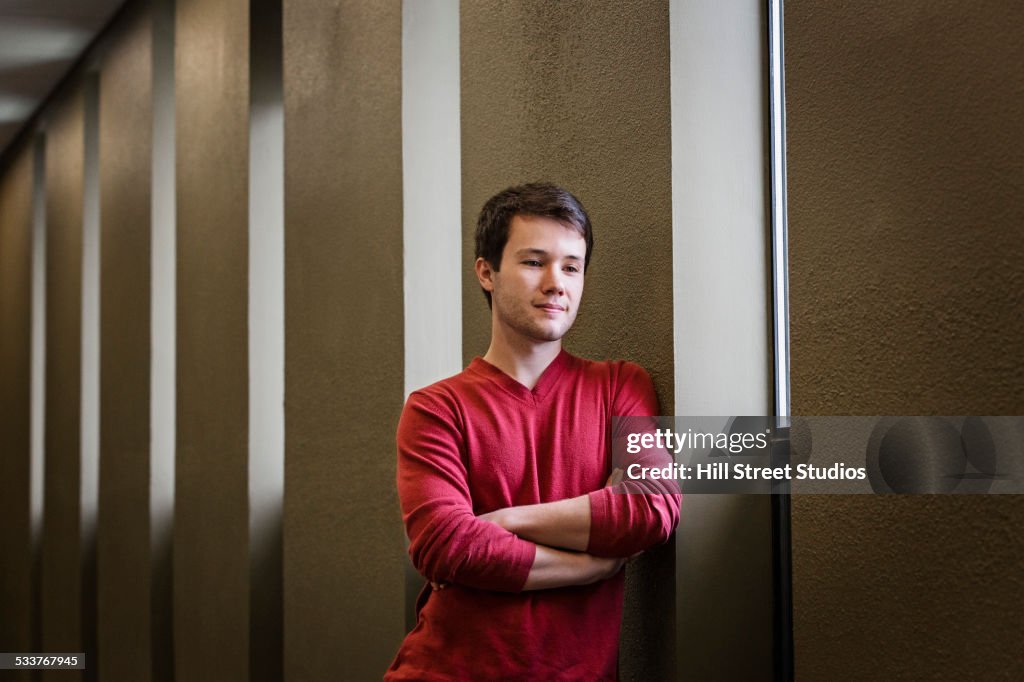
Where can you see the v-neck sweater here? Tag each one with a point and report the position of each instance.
(480, 441)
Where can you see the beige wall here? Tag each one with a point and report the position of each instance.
(211, 521)
(906, 234)
(578, 93)
(61, 596)
(905, 247)
(123, 538)
(16, 582)
(344, 552)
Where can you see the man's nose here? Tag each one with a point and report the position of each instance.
(553, 281)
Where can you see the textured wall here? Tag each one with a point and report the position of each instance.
(15, 363)
(344, 552)
(906, 226)
(62, 596)
(578, 93)
(211, 522)
(123, 540)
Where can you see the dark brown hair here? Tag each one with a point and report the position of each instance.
(541, 199)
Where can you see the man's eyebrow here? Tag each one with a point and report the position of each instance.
(541, 252)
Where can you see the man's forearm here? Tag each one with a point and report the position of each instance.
(565, 523)
(556, 568)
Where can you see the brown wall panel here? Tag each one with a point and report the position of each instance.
(61, 605)
(578, 93)
(211, 523)
(344, 552)
(15, 363)
(906, 243)
(123, 542)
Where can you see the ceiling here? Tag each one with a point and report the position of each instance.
(40, 40)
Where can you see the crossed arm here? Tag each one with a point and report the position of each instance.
(575, 541)
(556, 527)
(564, 525)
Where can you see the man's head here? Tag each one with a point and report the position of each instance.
(537, 199)
(533, 245)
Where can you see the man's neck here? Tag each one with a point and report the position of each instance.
(524, 361)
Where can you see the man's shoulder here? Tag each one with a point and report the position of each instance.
(447, 391)
(614, 371)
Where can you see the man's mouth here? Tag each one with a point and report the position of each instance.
(553, 307)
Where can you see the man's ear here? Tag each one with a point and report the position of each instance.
(484, 274)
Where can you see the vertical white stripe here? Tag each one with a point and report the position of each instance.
(163, 354)
(721, 317)
(162, 292)
(432, 191)
(719, 231)
(90, 387)
(266, 339)
(266, 299)
(38, 375)
(431, 204)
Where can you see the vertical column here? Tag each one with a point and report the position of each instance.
(61, 596)
(211, 522)
(37, 474)
(123, 536)
(907, 266)
(431, 191)
(431, 201)
(266, 340)
(344, 337)
(16, 581)
(723, 330)
(90, 428)
(162, 344)
(578, 93)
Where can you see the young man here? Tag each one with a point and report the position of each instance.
(503, 472)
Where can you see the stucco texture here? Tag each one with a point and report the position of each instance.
(577, 93)
(62, 599)
(123, 538)
(344, 552)
(15, 363)
(211, 521)
(906, 241)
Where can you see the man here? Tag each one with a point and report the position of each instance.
(502, 472)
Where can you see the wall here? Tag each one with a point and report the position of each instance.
(906, 242)
(224, 554)
(16, 571)
(62, 552)
(578, 93)
(344, 594)
(123, 538)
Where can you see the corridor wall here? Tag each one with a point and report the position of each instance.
(344, 582)
(201, 573)
(124, 569)
(18, 579)
(578, 93)
(211, 521)
(906, 244)
(64, 597)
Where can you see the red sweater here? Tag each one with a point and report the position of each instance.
(481, 441)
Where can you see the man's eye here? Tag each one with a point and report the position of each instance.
(572, 268)
(532, 263)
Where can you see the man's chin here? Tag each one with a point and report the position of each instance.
(548, 334)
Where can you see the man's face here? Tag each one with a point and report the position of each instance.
(537, 292)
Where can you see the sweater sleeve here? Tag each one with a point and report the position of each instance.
(634, 515)
(447, 542)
